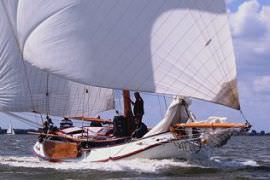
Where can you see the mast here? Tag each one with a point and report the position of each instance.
(127, 111)
(127, 103)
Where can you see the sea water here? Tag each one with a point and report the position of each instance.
(243, 157)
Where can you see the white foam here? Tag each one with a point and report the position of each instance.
(234, 162)
(139, 165)
(250, 163)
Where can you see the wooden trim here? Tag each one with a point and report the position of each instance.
(58, 135)
(211, 125)
(91, 119)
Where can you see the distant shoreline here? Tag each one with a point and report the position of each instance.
(19, 131)
(26, 131)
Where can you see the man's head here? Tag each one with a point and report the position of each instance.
(137, 95)
(45, 124)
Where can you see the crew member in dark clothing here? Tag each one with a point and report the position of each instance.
(51, 127)
(96, 123)
(138, 109)
(66, 123)
(45, 127)
(49, 120)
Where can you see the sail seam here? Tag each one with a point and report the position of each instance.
(18, 47)
(225, 74)
(133, 42)
(169, 86)
(42, 21)
(202, 84)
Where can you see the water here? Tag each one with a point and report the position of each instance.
(242, 157)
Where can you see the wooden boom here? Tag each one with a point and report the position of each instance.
(92, 119)
(212, 125)
(58, 135)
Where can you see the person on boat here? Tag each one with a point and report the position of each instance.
(45, 127)
(44, 130)
(66, 123)
(49, 120)
(51, 127)
(96, 123)
(138, 109)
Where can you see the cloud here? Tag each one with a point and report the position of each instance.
(262, 84)
(249, 21)
(250, 26)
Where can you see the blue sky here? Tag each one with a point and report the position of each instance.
(250, 27)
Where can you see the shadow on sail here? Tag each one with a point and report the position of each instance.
(106, 43)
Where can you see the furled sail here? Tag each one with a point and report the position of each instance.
(180, 47)
(26, 88)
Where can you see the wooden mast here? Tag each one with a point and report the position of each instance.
(127, 103)
(127, 111)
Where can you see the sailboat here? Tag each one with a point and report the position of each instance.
(10, 130)
(181, 48)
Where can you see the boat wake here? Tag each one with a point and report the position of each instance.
(138, 165)
(233, 163)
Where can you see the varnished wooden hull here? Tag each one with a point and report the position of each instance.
(60, 150)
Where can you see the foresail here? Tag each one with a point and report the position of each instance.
(25, 88)
(56, 96)
(180, 47)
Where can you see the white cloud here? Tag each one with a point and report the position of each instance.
(262, 84)
(250, 26)
(249, 21)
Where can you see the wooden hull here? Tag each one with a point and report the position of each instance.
(60, 150)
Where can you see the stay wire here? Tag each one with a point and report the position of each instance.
(160, 108)
(47, 95)
(243, 116)
(165, 102)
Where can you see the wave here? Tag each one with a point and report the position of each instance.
(138, 165)
(237, 163)
(134, 165)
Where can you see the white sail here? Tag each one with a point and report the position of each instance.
(177, 112)
(25, 88)
(180, 47)
(10, 129)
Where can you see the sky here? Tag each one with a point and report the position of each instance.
(250, 28)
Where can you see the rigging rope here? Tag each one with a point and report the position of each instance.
(41, 118)
(165, 102)
(22, 119)
(83, 105)
(47, 95)
(243, 116)
(160, 110)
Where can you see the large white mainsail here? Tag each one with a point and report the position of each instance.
(180, 47)
(25, 88)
